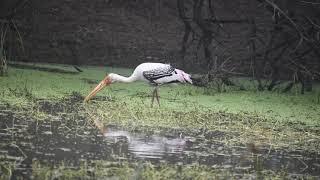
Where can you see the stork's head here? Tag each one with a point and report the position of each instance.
(183, 77)
(105, 82)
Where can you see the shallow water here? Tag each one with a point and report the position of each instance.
(192, 149)
(70, 138)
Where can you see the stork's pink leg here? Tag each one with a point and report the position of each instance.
(157, 96)
(153, 94)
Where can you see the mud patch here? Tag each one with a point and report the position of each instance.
(67, 105)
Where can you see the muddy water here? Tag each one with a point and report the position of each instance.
(68, 137)
(184, 149)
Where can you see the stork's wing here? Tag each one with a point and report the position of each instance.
(158, 73)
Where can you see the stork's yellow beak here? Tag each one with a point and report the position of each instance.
(105, 82)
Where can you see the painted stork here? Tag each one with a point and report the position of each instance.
(154, 73)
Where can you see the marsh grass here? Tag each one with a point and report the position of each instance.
(45, 85)
(6, 169)
(8, 164)
(145, 171)
(61, 171)
(258, 120)
(251, 128)
(263, 117)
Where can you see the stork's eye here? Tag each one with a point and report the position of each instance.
(175, 72)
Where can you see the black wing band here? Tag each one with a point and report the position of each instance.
(158, 73)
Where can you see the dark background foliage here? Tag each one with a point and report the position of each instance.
(264, 39)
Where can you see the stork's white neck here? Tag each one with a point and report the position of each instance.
(119, 78)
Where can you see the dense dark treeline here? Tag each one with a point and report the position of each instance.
(263, 39)
(282, 39)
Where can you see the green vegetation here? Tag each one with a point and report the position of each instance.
(266, 120)
(249, 112)
(145, 171)
(291, 107)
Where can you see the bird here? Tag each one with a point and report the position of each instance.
(155, 74)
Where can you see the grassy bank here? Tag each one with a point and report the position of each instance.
(281, 117)
(147, 171)
(261, 121)
(290, 107)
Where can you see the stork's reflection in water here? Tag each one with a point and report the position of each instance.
(146, 146)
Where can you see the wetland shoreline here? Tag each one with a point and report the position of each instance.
(61, 135)
(47, 132)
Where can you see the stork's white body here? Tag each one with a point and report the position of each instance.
(149, 67)
(154, 73)
(138, 74)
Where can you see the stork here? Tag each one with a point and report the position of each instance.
(155, 74)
